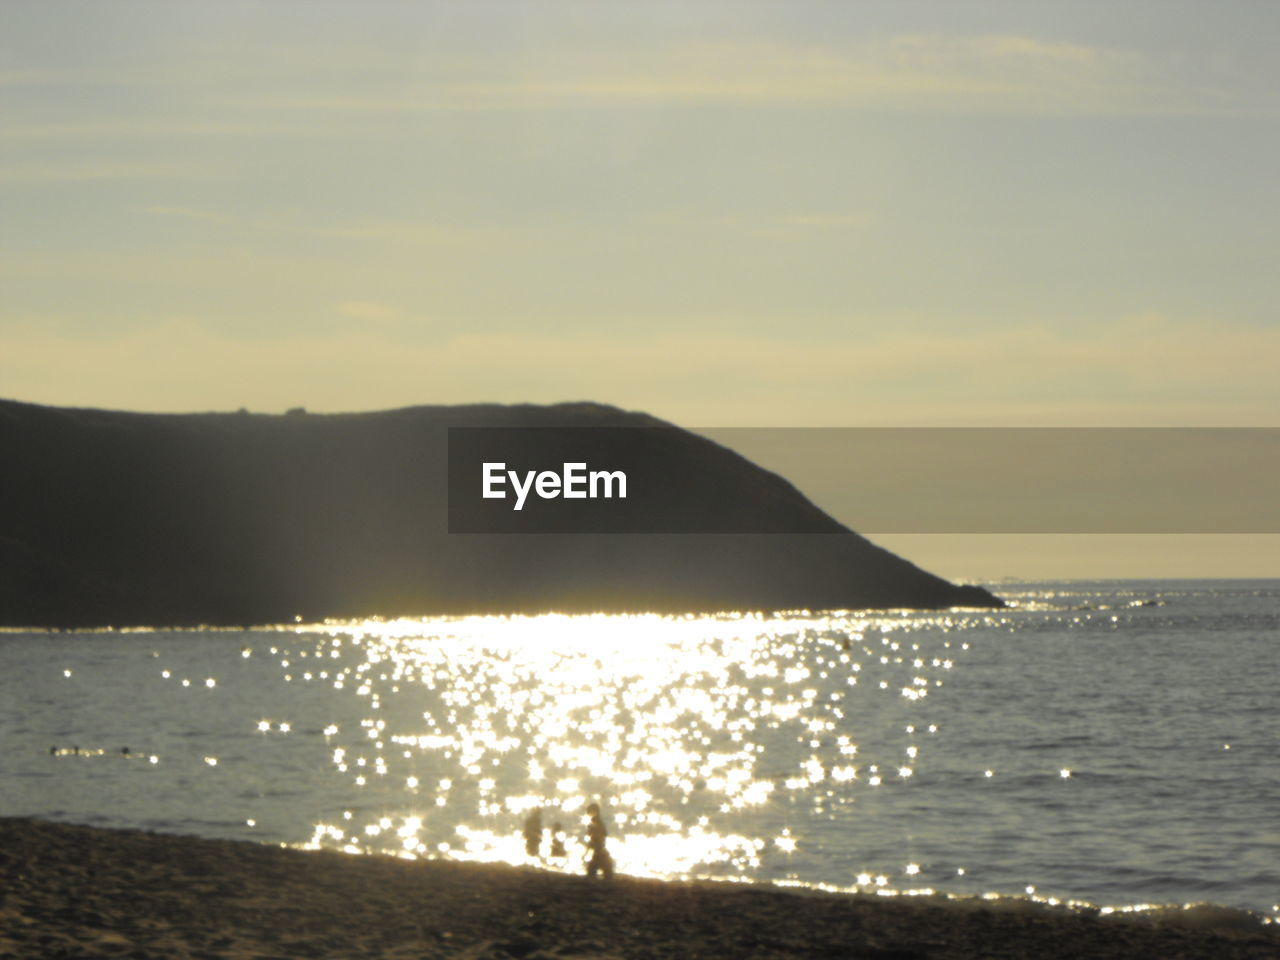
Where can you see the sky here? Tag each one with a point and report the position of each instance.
(724, 214)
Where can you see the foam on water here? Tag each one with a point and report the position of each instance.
(1104, 743)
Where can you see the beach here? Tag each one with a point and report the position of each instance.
(76, 891)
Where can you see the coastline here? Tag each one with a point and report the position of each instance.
(78, 891)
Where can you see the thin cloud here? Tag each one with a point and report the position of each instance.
(437, 233)
(188, 213)
(996, 73)
(97, 170)
(370, 314)
(824, 221)
(1144, 371)
(160, 126)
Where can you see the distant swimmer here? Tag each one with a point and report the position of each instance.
(599, 861)
(75, 751)
(533, 833)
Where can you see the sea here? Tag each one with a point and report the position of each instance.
(1111, 743)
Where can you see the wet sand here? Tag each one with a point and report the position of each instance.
(72, 891)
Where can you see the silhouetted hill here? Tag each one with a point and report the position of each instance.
(126, 518)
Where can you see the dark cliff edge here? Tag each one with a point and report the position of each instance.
(113, 518)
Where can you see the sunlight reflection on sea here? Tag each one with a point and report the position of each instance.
(1106, 742)
(716, 746)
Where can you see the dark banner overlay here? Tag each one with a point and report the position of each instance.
(614, 480)
(873, 480)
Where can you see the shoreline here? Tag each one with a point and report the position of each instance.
(78, 891)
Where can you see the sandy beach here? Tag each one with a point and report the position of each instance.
(73, 891)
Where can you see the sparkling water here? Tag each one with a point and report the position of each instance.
(1113, 742)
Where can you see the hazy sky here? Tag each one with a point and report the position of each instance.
(726, 214)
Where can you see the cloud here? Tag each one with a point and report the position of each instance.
(89, 170)
(187, 213)
(772, 225)
(371, 314)
(308, 96)
(906, 68)
(1144, 371)
(18, 78)
(164, 125)
(438, 233)
(985, 73)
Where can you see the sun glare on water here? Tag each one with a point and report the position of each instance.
(705, 740)
(828, 750)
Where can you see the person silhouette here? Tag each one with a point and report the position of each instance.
(533, 833)
(557, 840)
(599, 861)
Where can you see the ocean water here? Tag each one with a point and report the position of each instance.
(1114, 742)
